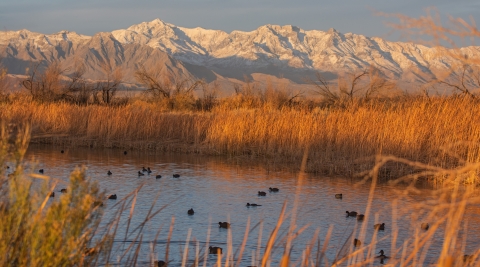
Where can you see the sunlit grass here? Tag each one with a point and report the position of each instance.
(40, 231)
(442, 131)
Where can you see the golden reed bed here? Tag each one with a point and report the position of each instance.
(443, 131)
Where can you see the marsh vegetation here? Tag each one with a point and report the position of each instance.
(352, 130)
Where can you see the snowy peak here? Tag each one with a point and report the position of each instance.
(270, 49)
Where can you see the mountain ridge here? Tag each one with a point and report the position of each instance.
(281, 51)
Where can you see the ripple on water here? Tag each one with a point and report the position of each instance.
(218, 191)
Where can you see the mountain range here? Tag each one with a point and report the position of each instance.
(270, 52)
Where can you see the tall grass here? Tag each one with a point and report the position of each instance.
(442, 131)
(398, 139)
(36, 231)
(39, 231)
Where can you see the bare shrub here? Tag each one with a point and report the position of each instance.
(463, 75)
(175, 93)
(464, 82)
(352, 87)
(279, 97)
(3, 82)
(79, 91)
(209, 96)
(45, 86)
(105, 90)
(157, 85)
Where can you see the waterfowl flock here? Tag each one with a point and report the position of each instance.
(226, 225)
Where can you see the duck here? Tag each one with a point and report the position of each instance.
(40, 171)
(176, 175)
(252, 205)
(225, 225)
(191, 212)
(360, 217)
(273, 189)
(351, 213)
(158, 176)
(140, 173)
(143, 169)
(159, 264)
(261, 193)
(338, 196)
(109, 172)
(63, 190)
(114, 196)
(98, 203)
(215, 250)
(424, 226)
(148, 170)
(52, 194)
(357, 242)
(382, 256)
(380, 226)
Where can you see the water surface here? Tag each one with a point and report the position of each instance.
(218, 190)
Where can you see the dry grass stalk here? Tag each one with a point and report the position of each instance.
(416, 129)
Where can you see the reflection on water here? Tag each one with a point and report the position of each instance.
(218, 190)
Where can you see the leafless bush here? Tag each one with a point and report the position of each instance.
(351, 87)
(175, 93)
(210, 96)
(105, 90)
(158, 86)
(79, 90)
(279, 97)
(52, 84)
(45, 86)
(465, 81)
(3, 82)
(463, 75)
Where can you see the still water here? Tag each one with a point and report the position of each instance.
(218, 189)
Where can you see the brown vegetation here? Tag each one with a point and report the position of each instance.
(440, 130)
(434, 137)
(34, 225)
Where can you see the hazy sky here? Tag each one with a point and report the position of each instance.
(91, 16)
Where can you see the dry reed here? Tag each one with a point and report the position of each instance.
(342, 141)
(69, 225)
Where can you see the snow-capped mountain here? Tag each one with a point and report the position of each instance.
(281, 51)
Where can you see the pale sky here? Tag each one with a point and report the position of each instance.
(91, 16)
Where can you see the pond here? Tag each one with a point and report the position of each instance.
(218, 189)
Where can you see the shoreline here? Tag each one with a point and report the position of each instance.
(440, 132)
